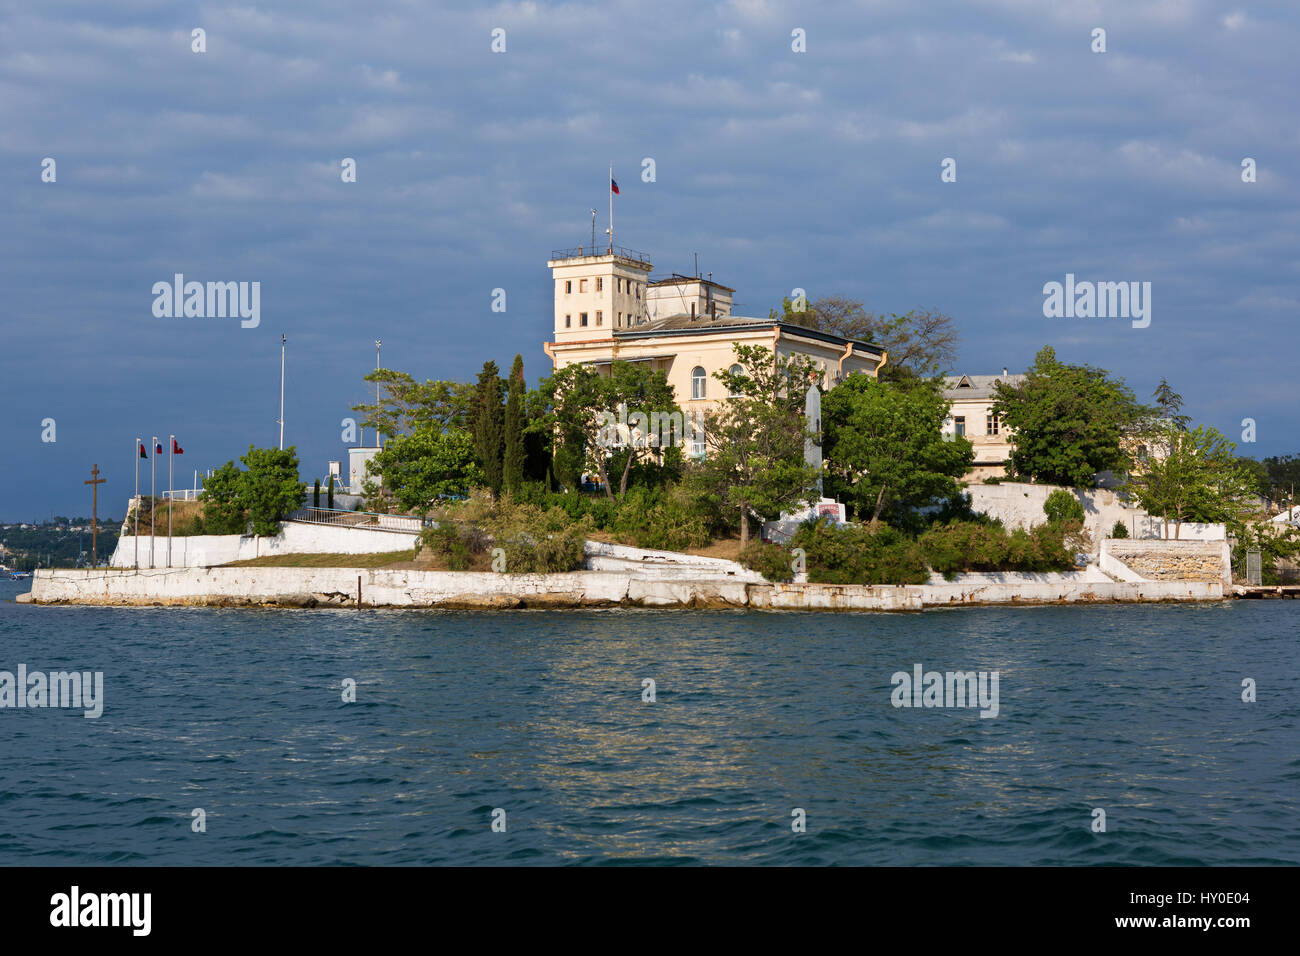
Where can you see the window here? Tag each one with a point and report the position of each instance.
(620, 285)
(582, 318)
(600, 283)
(582, 285)
(1143, 453)
(698, 380)
(568, 287)
(568, 321)
(736, 370)
(991, 424)
(599, 317)
(697, 450)
(959, 421)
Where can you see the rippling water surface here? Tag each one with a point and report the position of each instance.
(1133, 709)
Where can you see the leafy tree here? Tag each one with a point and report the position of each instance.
(920, 343)
(1196, 478)
(1262, 481)
(513, 462)
(885, 450)
(587, 412)
(270, 488)
(489, 425)
(1068, 420)
(1170, 404)
(1120, 530)
(405, 405)
(754, 464)
(419, 469)
(224, 507)
(1284, 473)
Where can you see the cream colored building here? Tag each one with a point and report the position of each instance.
(973, 418)
(607, 309)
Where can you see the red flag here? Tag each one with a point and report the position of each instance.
(140, 445)
(176, 449)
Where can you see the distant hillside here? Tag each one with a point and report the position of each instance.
(57, 543)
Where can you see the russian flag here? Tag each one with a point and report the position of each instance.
(613, 186)
(158, 450)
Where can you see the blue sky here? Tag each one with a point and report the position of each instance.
(818, 170)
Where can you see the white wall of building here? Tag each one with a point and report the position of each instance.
(207, 550)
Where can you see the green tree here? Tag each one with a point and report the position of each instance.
(406, 406)
(1068, 421)
(315, 494)
(225, 510)
(1170, 404)
(754, 463)
(603, 423)
(417, 470)
(1284, 474)
(1194, 476)
(513, 461)
(270, 487)
(885, 449)
(329, 495)
(489, 425)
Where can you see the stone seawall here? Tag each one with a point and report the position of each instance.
(1170, 560)
(337, 587)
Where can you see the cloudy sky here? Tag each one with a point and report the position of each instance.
(782, 169)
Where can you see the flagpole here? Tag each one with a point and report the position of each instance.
(171, 486)
(153, 457)
(611, 208)
(138, 445)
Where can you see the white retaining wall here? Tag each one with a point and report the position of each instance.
(337, 587)
(1020, 505)
(295, 537)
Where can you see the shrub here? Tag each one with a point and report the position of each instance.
(535, 540)
(1061, 506)
(770, 560)
(1119, 531)
(856, 554)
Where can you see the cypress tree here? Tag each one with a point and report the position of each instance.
(513, 465)
(315, 494)
(329, 496)
(489, 425)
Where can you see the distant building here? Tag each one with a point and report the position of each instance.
(972, 417)
(608, 309)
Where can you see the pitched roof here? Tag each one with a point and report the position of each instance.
(977, 386)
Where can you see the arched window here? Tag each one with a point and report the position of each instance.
(698, 380)
(736, 370)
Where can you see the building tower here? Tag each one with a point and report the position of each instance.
(597, 295)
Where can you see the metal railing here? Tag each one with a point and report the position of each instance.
(579, 252)
(182, 494)
(365, 520)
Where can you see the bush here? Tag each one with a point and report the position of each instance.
(1119, 531)
(770, 560)
(854, 554)
(1061, 506)
(964, 546)
(535, 540)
